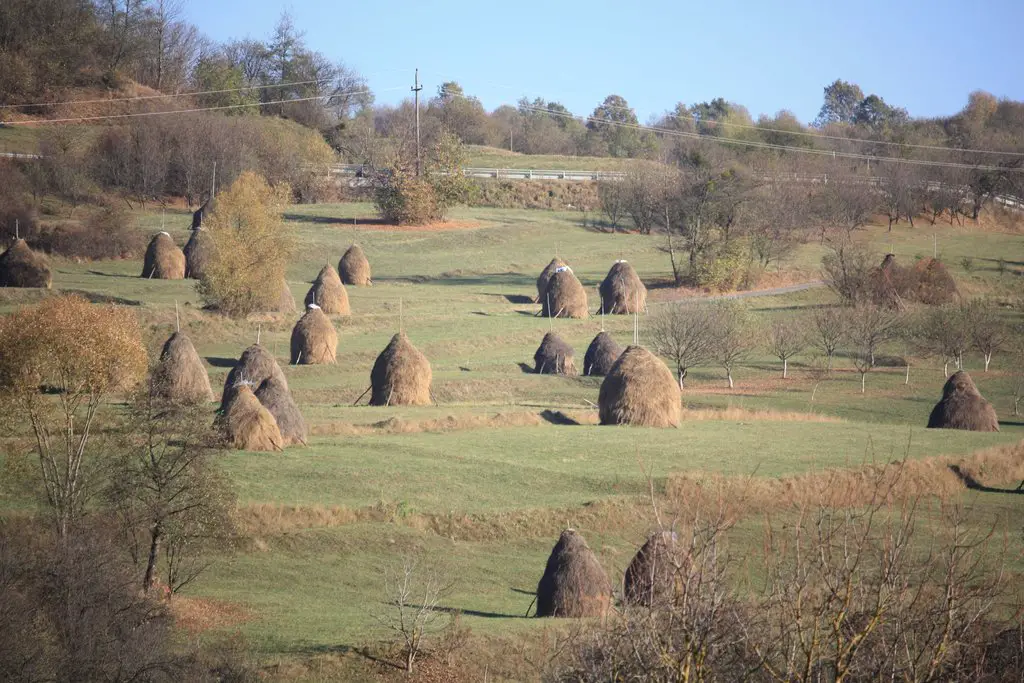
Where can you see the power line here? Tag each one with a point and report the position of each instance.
(835, 154)
(83, 119)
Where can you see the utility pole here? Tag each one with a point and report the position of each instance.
(510, 139)
(416, 90)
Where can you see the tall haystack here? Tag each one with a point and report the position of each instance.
(181, 375)
(314, 339)
(934, 285)
(247, 424)
(640, 390)
(285, 302)
(656, 572)
(622, 290)
(601, 355)
(963, 407)
(545, 277)
(22, 267)
(197, 252)
(565, 296)
(353, 268)
(203, 212)
(164, 260)
(328, 293)
(275, 396)
(401, 375)
(255, 365)
(554, 356)
(573, 584)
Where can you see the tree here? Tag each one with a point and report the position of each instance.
(732, 332)
(872, 112)
(989, 332)
(59, 361)
(870, 327)
(615, 126)
(849, 271)
(840, 106)
(787, 338)
(943, 332)
(830, 332)
(844, 205)
(459, 114)
(685, 334)
(613, 199)
(165, 488)
(249, 250)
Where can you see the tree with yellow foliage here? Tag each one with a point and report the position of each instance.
(249, 249)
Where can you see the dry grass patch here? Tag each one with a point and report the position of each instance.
(197, 615)
(450, 423)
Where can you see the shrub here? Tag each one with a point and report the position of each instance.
(404, 199)
(106, 233)
(724, 270)
(248, 249)
(16, 213)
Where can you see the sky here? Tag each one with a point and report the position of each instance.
(923, 55)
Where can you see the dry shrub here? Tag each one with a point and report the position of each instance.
(404, 199)
(106, 233)
(249, 250)
(932, 283)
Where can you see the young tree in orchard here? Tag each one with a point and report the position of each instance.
(869, 327)
(734, 336)
(59, 362)
(787, 338)
(249, 249)
(829, 332)
(989, 332)
(685, 334)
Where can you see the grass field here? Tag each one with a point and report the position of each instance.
(482, 482)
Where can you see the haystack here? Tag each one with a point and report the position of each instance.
(401, 375)
(203, 212)
(353, 268)
(934, 285)
(545, 277)
(22, 267)
(314, 340)
(247, 424)
(601, 355)
(640, 390)
(197, 252)
(328, 293)
(573, 584)
(181, 375)
(963, 407)
(565, 296)
(285, 302)
(164, 260)
(275, 396)
(622, 291)
(654, 575)
(255, 365)
(554, 356)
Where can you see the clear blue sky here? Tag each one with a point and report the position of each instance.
(924, 55)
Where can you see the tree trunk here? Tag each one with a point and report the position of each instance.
(945, 369)
(863, 378)
(907, 381)
(728, 374)
(156, 535)
(682, 378)
(785, 367)
(988, 359)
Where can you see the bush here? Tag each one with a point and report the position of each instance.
(248, 249)
(106, 233)
(724, 270)
(16, 213)
(404, 199)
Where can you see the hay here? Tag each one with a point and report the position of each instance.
(601, 355)
(247, 424)
(554, 356)
(353, 268)
(285, 302)
(654, 575)
(401, 375)
(203, 212)
(197, 253)
(545, 277)
(328, 293)
(273, 393)
(22, 267)
(622, 291)
(573, 584)
(934, 285)
(164, 260)
(963, 407)
(565, 296)
(255, 365)
(640, 390)
(314, 339)
(181, 375)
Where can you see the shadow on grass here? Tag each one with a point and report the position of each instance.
(218, 362)
(528, 369)
(472, 612)
(333, 220)
(975, 485)
(122, 275)
(94, 298)
(517, 298)
(557, 417)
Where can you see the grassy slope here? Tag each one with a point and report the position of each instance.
(310, 587)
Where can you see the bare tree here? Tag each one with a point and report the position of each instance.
(413, 592)
(684, 333)
(787, 338)
(943, 332)
(830, 332)
(733, 335)
(845, 204)
(870, 326)
(989, 332)
(613, 199)
(849, 270)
